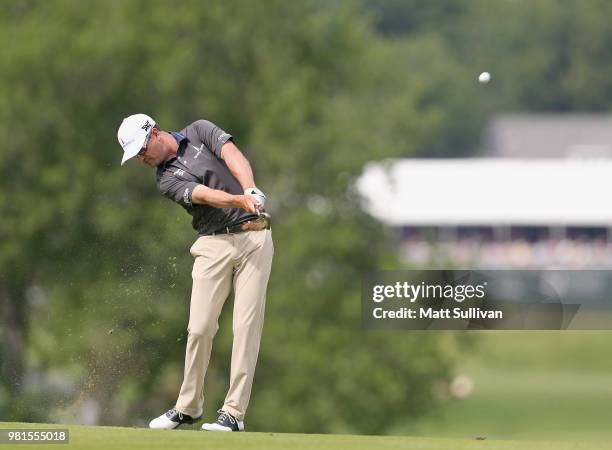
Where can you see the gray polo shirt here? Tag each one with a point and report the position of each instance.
(198, 161)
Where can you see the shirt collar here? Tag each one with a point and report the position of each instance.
(178, 136)
(182, 142)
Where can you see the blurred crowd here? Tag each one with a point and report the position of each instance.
(515, 253)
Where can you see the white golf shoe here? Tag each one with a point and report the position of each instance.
(225, 422)
(171, 420)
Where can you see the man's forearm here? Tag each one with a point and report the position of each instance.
(220, 199)
(238, 164)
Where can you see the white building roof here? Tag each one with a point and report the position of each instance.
(475, 191)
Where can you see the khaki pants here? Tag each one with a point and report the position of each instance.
(242, 261)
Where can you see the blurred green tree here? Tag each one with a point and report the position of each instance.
(544, 56)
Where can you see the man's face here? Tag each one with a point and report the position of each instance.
(155, 152)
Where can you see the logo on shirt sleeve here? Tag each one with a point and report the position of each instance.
(187, 197)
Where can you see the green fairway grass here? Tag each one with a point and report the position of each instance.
(89, 438)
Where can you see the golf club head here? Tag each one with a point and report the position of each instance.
(262, 215)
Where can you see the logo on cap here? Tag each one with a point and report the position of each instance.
(146, 126)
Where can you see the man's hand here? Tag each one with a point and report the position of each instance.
(249, 203)
(259, 196)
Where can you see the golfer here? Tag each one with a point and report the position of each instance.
(202, 169)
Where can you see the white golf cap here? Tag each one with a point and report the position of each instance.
(132, 134)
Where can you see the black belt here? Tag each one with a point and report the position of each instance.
(262, 219)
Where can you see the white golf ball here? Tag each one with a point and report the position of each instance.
(484, 77)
